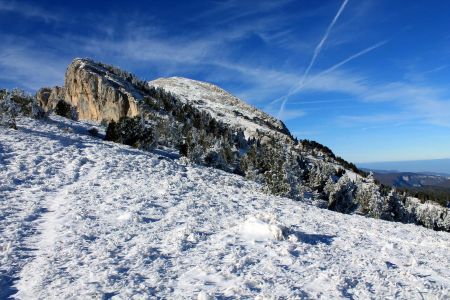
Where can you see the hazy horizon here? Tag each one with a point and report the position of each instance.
(432, 166)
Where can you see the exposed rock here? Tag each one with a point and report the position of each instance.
(99, 94)
(48, 98)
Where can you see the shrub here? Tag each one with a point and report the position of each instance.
(93, 131)
(37, 112)
(341, 195)
(18, 103)
(66, 110)
(131, 131)
(8, 112)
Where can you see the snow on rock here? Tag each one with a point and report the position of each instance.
(221, 105)
(83, 218)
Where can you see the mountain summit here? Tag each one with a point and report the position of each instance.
(102, 92)
(210, 126)
(221, 105)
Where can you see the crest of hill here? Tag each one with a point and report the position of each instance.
(221, 105)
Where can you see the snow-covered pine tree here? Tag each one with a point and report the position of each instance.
(341, 194)
(134, 132)
(17, 102)
(9, 110)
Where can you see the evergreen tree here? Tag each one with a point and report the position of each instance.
(134, 132)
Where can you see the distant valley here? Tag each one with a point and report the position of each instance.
(426, 186)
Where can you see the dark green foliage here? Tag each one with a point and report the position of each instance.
(151, 103)
(131, 131)
(195, 133)
(341, 199)
(248, 162)
(340, 173)
(281, 164)
(23, 100)
(274, 165)
(65, 110)
(439, 195)
(132, 79)
(25, 103)
(184, 149)
(93, 131)
(313, 145)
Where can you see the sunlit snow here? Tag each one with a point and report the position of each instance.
(83, 218)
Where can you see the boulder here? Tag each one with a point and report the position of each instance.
(48, 98)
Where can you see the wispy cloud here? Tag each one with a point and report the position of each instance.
(141, 42)
(24, 66)
(384, 118)
(237, 10)
(409, 101)
(291, 114)
(323, 40)
(210, 51)
(30, 11)
(313, 58)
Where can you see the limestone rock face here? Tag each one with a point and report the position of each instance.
(49, 97)
(99, 94)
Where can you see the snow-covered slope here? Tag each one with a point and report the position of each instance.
(83, 218)
(221, 105)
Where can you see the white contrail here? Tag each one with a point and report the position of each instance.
(330, 69)
(324, 38)
(314, 57)
(350, 58)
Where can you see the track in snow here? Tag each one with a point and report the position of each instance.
(85, 218)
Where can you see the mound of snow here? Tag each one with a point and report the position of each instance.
(262, 227)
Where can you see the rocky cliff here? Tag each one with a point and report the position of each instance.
(97, 93)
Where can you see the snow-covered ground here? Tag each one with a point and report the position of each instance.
(84, 218)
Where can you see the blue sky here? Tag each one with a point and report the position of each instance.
(369, 79)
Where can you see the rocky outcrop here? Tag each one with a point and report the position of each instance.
(102, 92)
(99, 94)
(49, 97)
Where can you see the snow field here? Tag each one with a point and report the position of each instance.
(83, 218)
